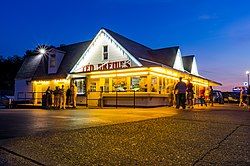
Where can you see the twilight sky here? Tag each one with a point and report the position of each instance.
(216, 31)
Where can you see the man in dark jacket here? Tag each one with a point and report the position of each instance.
(181, 88)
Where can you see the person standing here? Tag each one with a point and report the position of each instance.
(190, 94)
(181, 88)
(241, 97)
(56, 97)
(48, 98)
(202, 96)
(68, 96)
(63, 98)
(74, 94)
(211, 97)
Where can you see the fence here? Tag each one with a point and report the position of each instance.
(99, 96)
(29, 97)
(101, 99)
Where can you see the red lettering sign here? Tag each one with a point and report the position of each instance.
(108, 66)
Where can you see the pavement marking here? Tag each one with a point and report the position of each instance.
(217, 146)
(19, 155)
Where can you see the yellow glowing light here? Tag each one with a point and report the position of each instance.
(162, 75)
(40, 82)
(164, 71)
(118, 71)
(119, 75)
(198, 83)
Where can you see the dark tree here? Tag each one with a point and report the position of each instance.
(9, 67)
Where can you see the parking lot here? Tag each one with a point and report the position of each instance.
(157, 136)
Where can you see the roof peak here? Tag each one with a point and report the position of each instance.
(110, 32)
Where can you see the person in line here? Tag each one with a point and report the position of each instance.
(48, 98)
(181, 88)
(56, 97)
(190, 94)
(68, 96)
(74, 94)
(211, 97)
(63, 98)
(202, 96)
(170, 90)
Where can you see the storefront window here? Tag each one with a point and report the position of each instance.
(154, 84)
(120, 84)
(81, 85)
(93, 87)
(139, 83)
(106, 85)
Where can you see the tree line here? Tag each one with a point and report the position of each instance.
(9, 67)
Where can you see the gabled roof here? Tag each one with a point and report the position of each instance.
(28, 67)
(187, 62)
(165, 56)
(136, 49)
(73, 52)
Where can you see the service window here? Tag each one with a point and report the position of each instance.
(81, 86)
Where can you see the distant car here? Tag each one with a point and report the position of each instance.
(217, 97)
(231, 97)
(6, 101)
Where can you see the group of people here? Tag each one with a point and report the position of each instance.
(60, 97)
(245, 97)
(185, 92)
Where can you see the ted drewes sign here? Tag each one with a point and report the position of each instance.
(108, 66)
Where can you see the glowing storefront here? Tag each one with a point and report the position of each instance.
(108, 66)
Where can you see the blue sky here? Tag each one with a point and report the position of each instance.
(216, 31)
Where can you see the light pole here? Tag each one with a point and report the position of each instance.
(247, 73)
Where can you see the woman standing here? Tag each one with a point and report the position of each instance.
(190, 94)
(202, 96)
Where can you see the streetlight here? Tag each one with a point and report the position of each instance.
(247, 73)
(42, 51)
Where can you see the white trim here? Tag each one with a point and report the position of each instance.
(74, 69)
(194, 69)
(178, 63)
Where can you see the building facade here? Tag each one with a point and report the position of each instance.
(109, 70)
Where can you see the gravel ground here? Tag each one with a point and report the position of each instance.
(152, 142)
(188, 138)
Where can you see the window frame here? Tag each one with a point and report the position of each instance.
(105, 54)
(52, 61)
(84, 85)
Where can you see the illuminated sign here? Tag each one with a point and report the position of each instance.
(108, 66)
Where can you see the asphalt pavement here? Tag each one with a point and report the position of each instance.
(159, 136)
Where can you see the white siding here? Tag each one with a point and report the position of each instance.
(22, 86)
(94, 55)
